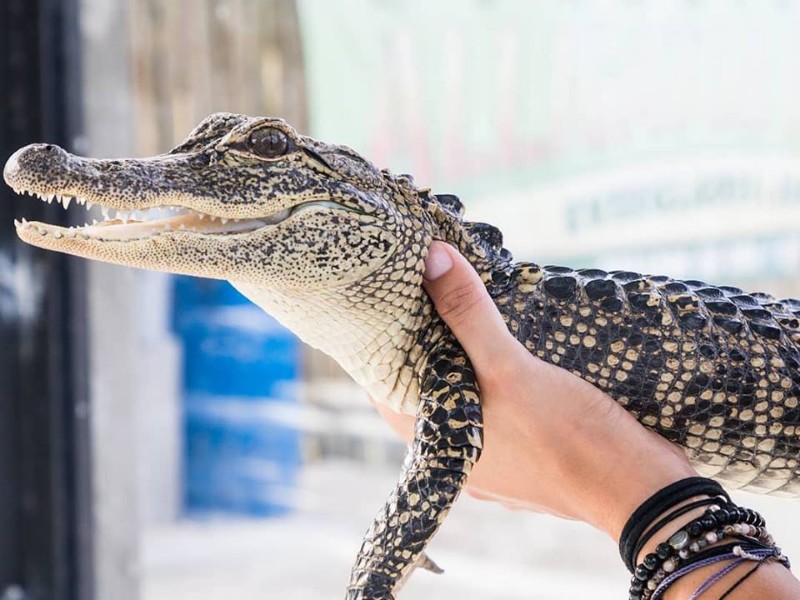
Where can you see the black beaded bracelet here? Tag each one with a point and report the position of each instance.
(693, 553)
(658, 504)
(689, 542)
(678, 512)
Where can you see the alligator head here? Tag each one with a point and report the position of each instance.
(243, 199)
(315, 234)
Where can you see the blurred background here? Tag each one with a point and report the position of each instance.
(161, 439)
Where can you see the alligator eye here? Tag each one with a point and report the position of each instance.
(269, 143)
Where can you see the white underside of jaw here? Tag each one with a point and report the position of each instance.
(152, 222)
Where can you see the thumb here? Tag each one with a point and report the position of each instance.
(462, 301)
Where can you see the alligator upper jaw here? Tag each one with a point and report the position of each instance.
(147, 223)
(51, 173)
(129, 226)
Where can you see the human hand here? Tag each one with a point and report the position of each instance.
(552, 442)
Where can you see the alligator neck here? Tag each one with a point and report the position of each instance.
(371, 329)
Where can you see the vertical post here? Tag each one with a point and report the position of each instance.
(118, 358)
(45, 524)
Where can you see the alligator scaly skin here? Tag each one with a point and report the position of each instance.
(713, 369)
(335, 248)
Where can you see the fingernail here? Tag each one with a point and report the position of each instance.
(437, 263)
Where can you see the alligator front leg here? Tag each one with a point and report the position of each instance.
(447, 443)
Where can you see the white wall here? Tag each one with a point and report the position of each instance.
(134, 362)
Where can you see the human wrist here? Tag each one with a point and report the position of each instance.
(640, 473)
(639, 491)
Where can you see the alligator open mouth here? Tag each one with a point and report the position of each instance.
(156, 221)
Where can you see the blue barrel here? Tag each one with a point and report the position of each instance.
(238, 351)
(240, 373)
(240, 458)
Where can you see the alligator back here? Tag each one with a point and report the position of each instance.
(714, 369)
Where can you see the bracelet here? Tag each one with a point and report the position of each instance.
(776, 555)
(735, 552)
(679, 512)
(687, 549)
(715, 525)
(684, 549)
(657, 505)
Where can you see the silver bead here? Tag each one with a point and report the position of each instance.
(679, 540)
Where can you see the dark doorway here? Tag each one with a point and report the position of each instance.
(45, 524)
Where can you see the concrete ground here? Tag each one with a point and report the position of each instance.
(488, 553)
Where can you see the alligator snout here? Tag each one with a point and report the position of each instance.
(35, 160)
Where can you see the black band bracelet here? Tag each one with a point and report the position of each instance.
(657, 505)
(678, 512)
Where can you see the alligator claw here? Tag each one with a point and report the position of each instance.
(426, 562)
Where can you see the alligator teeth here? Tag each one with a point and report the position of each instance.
(151, 222)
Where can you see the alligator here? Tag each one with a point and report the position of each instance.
(334, 248)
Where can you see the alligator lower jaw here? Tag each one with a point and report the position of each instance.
(132, 229)
(149, 223)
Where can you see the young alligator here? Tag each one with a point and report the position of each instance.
(334, 248)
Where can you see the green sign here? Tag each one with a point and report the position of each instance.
(580, 127)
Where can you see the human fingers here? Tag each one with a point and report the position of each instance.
(462, 301)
